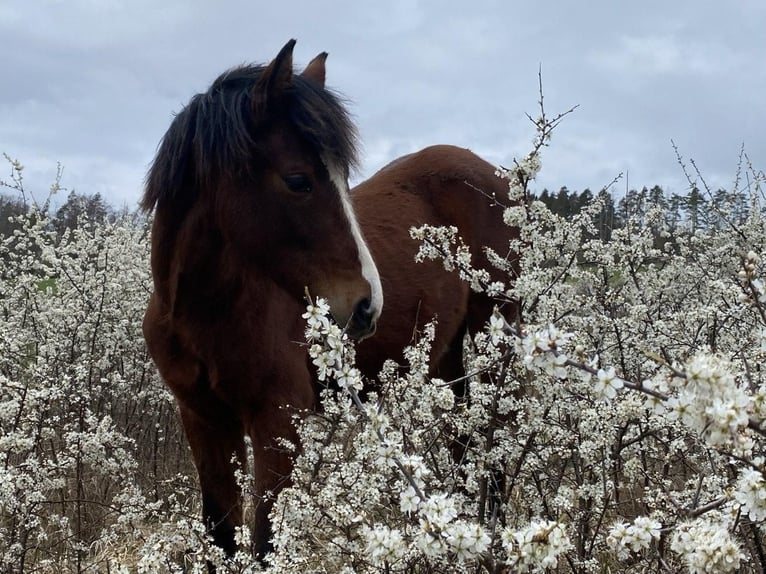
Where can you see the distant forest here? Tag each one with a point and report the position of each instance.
(694, 211)
(94, 207)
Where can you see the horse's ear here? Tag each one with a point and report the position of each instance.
(315, 71)
(276, 77)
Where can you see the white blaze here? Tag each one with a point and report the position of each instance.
(369, 270)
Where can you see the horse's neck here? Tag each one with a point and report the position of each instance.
(222, 307)
(247, 337)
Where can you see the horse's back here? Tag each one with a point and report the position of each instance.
(441, 186)
(461, 188)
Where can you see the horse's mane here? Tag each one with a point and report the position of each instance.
(218, 133)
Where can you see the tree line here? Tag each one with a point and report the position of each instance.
(92, 207)
(693, 211)
(696, 210)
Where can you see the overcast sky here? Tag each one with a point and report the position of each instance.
(93, 84)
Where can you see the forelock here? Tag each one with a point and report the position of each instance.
(219, 131)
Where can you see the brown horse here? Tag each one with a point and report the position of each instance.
(252, 208)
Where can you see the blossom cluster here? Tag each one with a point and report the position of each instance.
(85, 424)
(539, 545)
(444, 243)
(711, 401)
(636, 537)
(707, 546)
(413, 515)
(544, 350)
(637, 358)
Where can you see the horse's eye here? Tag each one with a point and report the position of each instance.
(298, 183)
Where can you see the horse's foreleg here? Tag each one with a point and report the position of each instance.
(215, 439)
(272, 466)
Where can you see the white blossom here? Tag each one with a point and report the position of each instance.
(466, 539)
(706, 547)
(750, 492)
(607, 383)
(438, 510)
(539, 543)
(384, 545)
(635, 537)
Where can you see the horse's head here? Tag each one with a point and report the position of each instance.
(254, 173)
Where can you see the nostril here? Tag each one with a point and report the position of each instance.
(363, 309)
(362, 321)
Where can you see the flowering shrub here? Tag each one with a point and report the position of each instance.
(618, 427)
(89, 442)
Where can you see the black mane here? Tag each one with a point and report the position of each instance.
(217, 133)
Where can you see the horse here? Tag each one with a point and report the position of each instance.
(249, 189)
(250, 197)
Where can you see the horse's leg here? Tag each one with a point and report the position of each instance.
(213, 430)
(215, 438)
(450, 366)
(492, 490)
(272, 469)
(272, 463)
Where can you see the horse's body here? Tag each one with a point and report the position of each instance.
(444, 186)
(251, 211)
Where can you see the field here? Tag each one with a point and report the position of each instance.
(617, 428)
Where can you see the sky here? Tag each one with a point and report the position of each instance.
(93, 84)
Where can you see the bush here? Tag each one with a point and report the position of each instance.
(88, 435)
(618, 427)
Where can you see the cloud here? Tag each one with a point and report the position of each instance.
(94, 84)
(660, 55)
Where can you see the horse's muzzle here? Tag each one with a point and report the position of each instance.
(362, 322)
